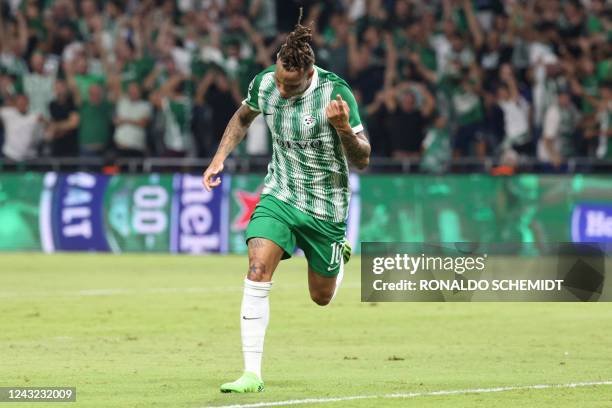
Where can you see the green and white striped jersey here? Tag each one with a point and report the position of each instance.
(308, 169)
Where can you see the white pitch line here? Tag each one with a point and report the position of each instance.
(413, 394)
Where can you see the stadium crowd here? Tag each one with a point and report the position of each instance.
(435, 79)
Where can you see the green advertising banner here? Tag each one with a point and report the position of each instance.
(173, 213)
(523, 208)
(137, 213)
(19, 211)
(427, 208)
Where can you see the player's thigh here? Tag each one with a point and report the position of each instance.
(269, 240)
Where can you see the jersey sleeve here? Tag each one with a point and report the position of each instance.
(345, 92)
(252, 98)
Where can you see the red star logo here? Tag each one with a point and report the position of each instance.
(247, 202)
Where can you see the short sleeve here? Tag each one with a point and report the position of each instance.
(252, 99)
(345, 92)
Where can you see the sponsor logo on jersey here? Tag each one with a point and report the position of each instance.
(592, 223)
(299, 144)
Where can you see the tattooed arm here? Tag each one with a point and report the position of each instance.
(356, 146)
(234, 133)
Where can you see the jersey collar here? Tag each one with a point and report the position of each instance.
(313, 84)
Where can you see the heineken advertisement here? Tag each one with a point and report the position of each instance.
(173, 213)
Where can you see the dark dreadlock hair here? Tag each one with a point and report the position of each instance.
(296, 53)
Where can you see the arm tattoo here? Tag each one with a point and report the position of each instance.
(235, 131)
(356, 147)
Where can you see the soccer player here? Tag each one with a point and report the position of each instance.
(316, 129)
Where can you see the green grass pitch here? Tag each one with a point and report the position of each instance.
(163, 331)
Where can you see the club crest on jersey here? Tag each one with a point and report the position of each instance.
(308, 120)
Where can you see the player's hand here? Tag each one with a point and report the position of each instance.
(211, 178)
(338, 113)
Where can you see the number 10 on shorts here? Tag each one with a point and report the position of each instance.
(336, 254)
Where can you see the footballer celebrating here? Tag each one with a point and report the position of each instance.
(316, 130)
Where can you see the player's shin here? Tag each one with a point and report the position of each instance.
(254, 317)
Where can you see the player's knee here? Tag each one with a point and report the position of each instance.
(321, 299)
(257, 271)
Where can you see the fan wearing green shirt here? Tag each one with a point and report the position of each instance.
(96, 124)
(316, 133)
(95, 108)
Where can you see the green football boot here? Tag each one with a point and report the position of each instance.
(346, 251)
(249, 382)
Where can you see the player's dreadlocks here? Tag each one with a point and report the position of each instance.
(296, 53)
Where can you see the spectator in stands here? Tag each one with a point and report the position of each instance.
(372, 116)
(95, 124)
(222, 97)
(368, 59)
(560, 133)
(263, 15)
(585, 83)
(38, 85)
(455, 48)
(13, 42)
(161, 72)
(464, 93)
(515, 110)
(491, 56)
(7, 87)
(62, 130)
(437, 148)
(132, 116)
(173, 102)
(81, 79)
(332, 45)
(21, 130)
(585, 86)
(406, 120)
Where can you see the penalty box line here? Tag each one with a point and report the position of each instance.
(414, 394)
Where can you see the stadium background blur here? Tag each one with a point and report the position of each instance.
(440, 83)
